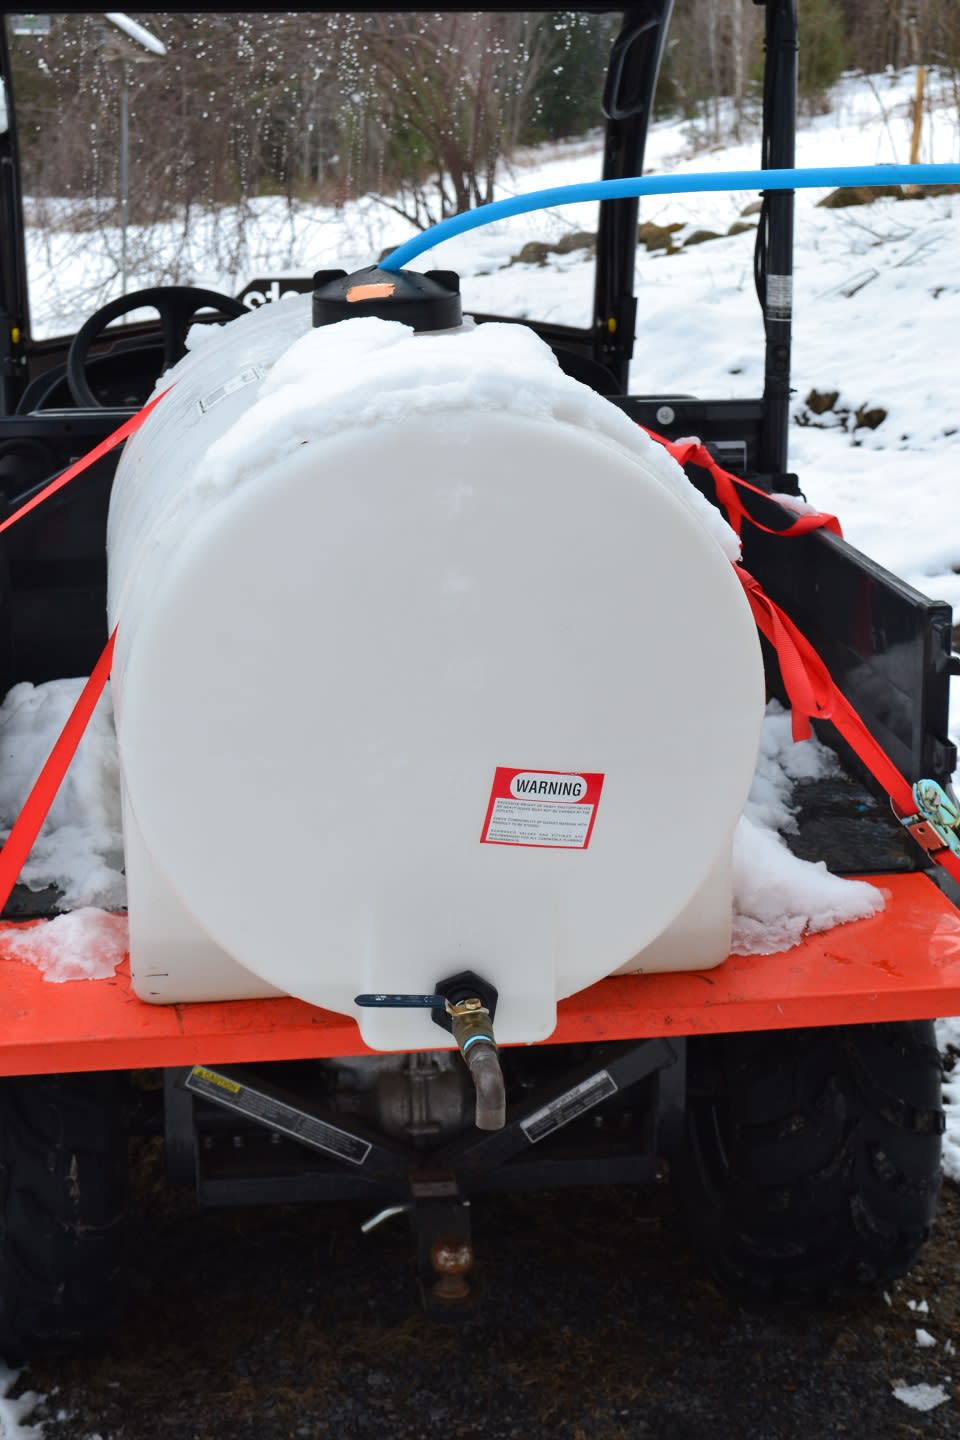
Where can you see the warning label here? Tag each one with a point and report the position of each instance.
(276, 1114)
(550, 808)
(569, 1106)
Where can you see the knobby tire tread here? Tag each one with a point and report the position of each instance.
(63, 1175)
(812, 1157)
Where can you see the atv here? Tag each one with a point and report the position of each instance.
(797, 1105)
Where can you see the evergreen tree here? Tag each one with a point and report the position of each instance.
(824, 50)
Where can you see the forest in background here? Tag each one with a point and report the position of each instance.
(418, 109)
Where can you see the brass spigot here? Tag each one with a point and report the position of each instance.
(473, 1032)
(471, 1024)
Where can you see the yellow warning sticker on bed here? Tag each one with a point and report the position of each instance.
(198, 1072)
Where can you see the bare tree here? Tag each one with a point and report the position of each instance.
(713, 52)
(446, 97)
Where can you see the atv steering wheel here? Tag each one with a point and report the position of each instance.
(176, 304)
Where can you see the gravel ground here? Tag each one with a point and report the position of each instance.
(598, 1324)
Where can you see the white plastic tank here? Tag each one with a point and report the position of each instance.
(428, 660)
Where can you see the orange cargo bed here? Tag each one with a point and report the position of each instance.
(902, 964)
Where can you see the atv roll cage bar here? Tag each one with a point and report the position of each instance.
(628, 107)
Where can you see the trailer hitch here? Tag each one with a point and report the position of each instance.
(464, 1005)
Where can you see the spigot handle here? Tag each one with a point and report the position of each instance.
(401, 1002)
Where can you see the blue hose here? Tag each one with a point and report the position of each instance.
(821, 176)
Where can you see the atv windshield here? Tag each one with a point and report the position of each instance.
(241, 152)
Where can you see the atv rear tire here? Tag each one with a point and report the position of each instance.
(63, 1180)
(812, 1157)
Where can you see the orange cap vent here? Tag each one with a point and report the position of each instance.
(379, 291)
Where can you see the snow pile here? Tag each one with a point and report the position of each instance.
(80, 848)
(778, 898)
(373, 372)
(948, 1039)
(13, 1413)
(86, 944)
(920, 1397)
(781, 762)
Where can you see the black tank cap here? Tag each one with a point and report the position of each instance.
(426, 302)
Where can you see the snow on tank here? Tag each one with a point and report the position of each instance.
(382, 597)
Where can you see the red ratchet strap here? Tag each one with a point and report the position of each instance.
(693, 452)
(810, 688)
(36, 807)
(814, 695)
(91, 458)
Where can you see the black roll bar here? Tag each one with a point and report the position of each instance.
(774, 254)
(628, 107)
